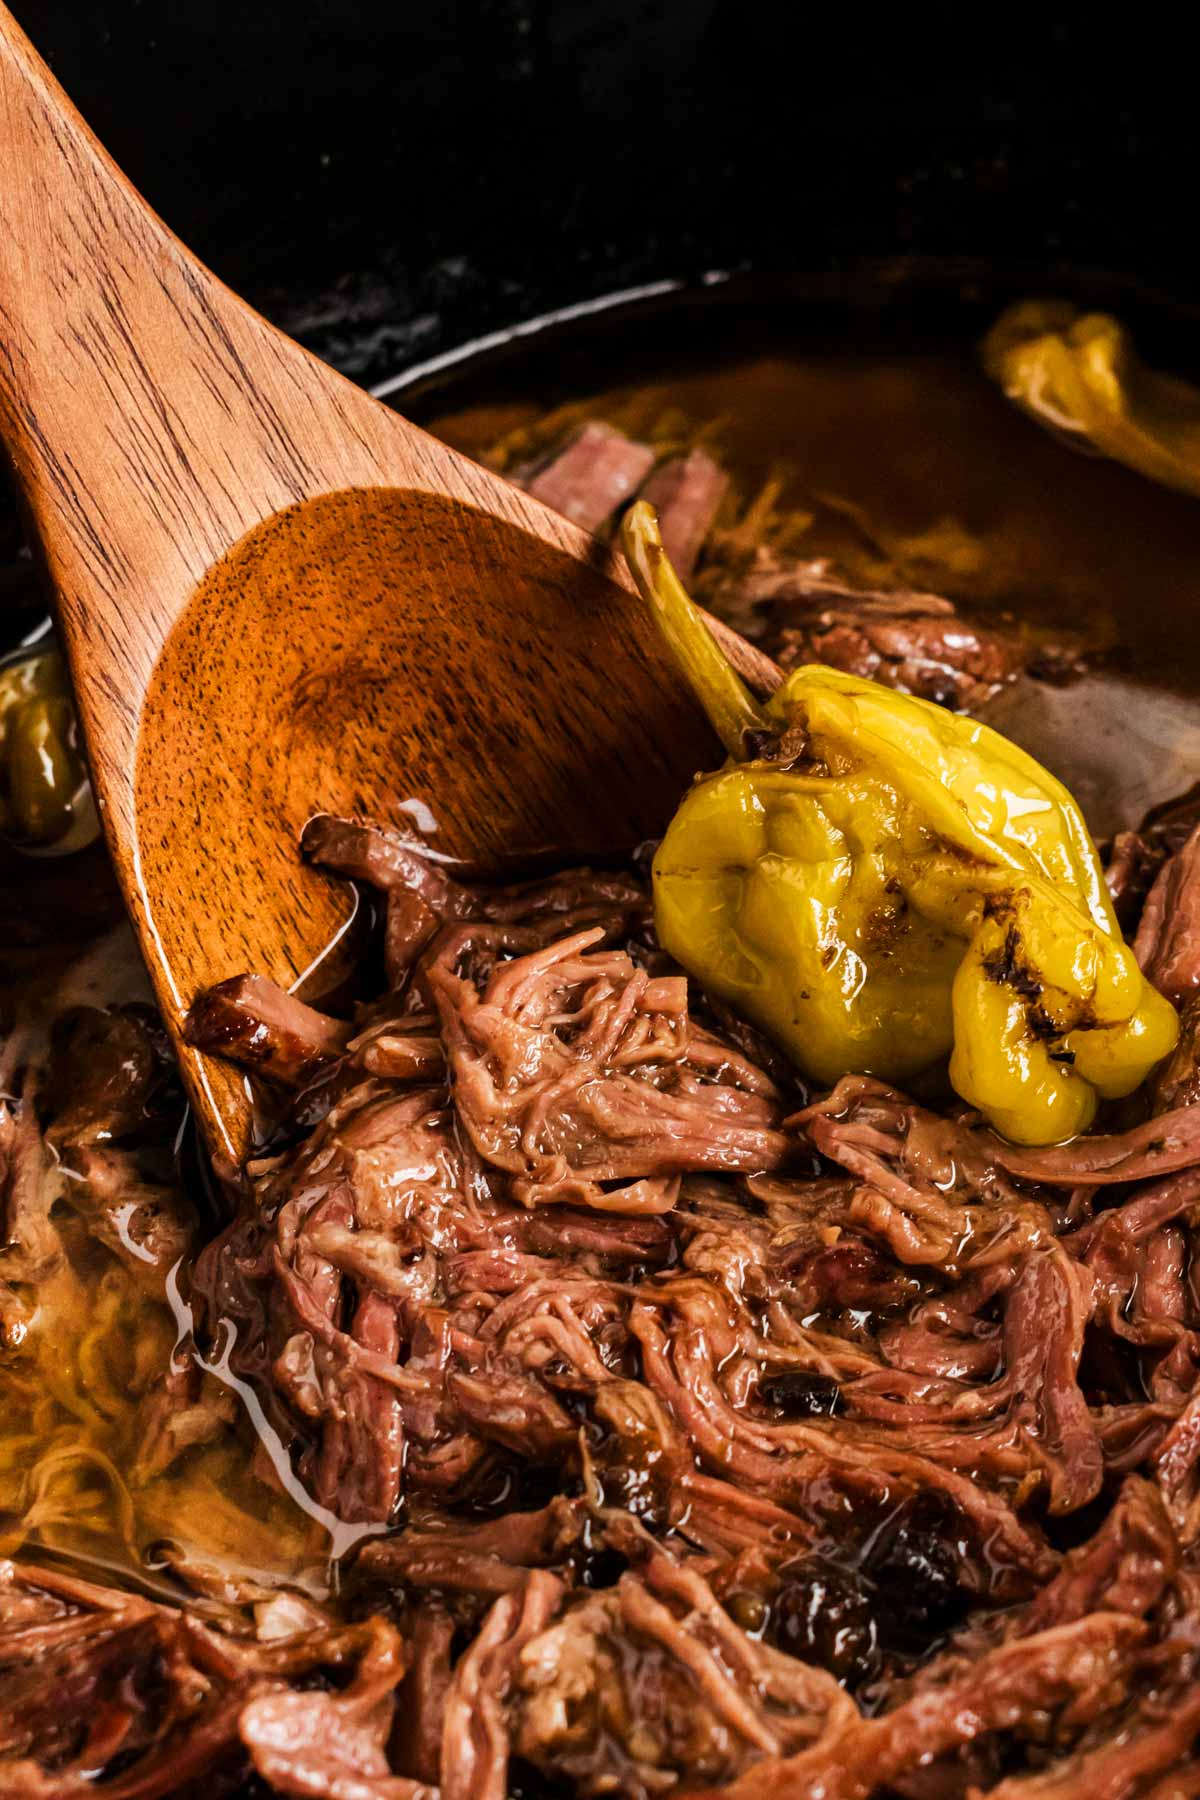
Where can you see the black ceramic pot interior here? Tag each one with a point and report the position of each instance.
(391, 180)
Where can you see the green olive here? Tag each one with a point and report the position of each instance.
(43, 767)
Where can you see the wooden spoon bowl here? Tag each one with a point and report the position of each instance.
(391, 655)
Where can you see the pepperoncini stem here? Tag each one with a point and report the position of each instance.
(731, 707)
(1078, 374)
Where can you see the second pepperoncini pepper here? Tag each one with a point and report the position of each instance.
(41, 769)
(883, 886)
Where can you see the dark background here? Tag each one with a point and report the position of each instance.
(390, 178)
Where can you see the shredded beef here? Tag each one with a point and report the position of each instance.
(573, 1070)
(109, 1103)
(1177, 1083)
(692, 1435)
(1168, 938)
(1129, 872)
(92, 1679)
(30, 1249)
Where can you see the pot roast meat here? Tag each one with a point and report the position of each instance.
(1021, 1688)
(1167, 827)
(1159, 1748)
(476, 1729)
(686, 492)
(797, 610)
(863, 1122)
(251, 1021)
(480, 1558)
(580, 1075)
(109, 1105)
(30, 1248)
(110, 1074)
(420, 895)
(1046, 1314)
(1168, 939)
(416, 1743)
(650, 1682)
(1177, 1083)
(1129, 873)
(915, 642)
(307, 1743)
(1143, 1153)
(701, 1445)
(95, 1682)
(607, 1253)
(931, 1190)
(591, 476)
(1128, 1566)
(380, 858)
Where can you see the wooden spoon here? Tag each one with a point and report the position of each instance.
(279, 598)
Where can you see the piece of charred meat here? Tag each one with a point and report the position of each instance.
(251, 1021)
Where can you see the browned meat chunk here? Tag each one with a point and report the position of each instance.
(592, 475)
(253, 1022)
(110, 1072)
(687, 492)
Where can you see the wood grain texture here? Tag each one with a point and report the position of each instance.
(278, 597)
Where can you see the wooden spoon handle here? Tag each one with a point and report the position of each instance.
(92, 296)
(141, 445)
(66, 339)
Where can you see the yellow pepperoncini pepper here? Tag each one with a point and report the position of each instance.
(1079, 374)
(42, 777)
(881, 885)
